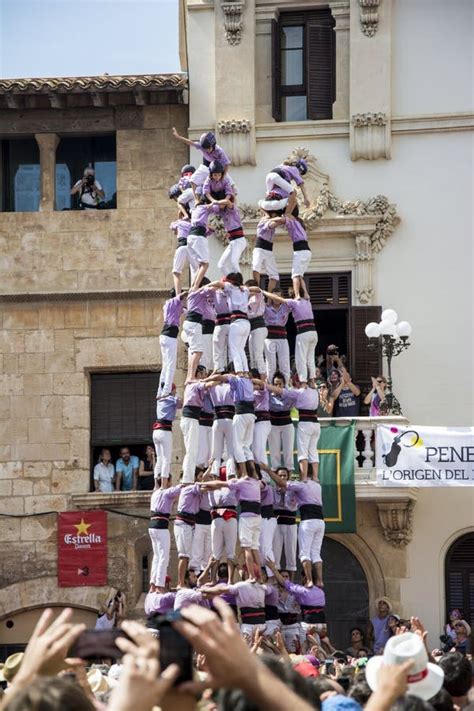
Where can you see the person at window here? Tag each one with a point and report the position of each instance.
(279, 187)
(89, 189)
(463, 634)
(454, 615)
(146, 477)
(376, 397)
(345, 394)
(104, 473)
(357, 642)
(126, 469)
(326, 402)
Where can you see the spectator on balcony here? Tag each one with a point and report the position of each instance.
(326, 402)
(89, 189)
(376, 396)
(344, 393)
(126, 469)
(463, 634)
(104, 473)
(146, 478)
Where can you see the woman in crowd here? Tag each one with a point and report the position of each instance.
(104, 473)
(376, 396)
(146, 470)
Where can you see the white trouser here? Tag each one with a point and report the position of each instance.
(169, 351)
(183, 535)
(198, 250)
(192, 335)
(277, 348)
(230, 259)
(223, 538)
(206, 358)
(220, 340)
(243, 426)
(272, 626)
(163, 441)
(181, 259)
(204, 448)
(310, 539)
(280, 443)
(273, 179)
(160, 542)
(301, 262)
(267, 532)
(201, 551)
(238, 334)
(190, 430)
(305, 359)
(292, 634)
(307, 437)
(285, 537)
(260, 438)
(222, 439)
(256, 347)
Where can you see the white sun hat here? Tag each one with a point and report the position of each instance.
(424, 679)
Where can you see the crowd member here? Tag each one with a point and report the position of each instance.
(104, 473)
(463, 634)
(126, 471)
(326, 403)
(146, 470)
(344, 393)
(172, 312)
(454, 615)
(379, 623)
(357, 642)
(111, 612)
(89, 189)
(376, 396)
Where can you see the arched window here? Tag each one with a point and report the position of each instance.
(459, 571)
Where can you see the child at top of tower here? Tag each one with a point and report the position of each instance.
(187, 172)
(207, 145)
(281, 195)
(218, 187)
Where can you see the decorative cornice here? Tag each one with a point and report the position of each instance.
(369, 16)
(85, 296)
(233, 22)
(396, 519)
(234, 126)
(105, 82)
(369, 119)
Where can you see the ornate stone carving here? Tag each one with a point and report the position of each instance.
(216, 224)
(369, 16)
(396, 519)
(370, 119)
(234, 126)
(233, 22)
(249, 212)
(363, 272)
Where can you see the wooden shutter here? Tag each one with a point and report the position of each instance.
(365, 363)
(460, 576)
(320, 64)
(276, 71)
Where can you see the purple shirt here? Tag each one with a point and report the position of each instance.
(181, 228)
(238, 297)
(228, 597)
(208, 310)
(307, 596)
(296, 230)
(189, 499)
(271, 596)
(283, 402)
(200, 214)
(216, 186)
(242, 388)
(285, 501)
(172, 311)
(261, 400)
(306, 492)
(249, 594)
(257, 305)
(162, 500)
(268, 495)
(288, 605)
(198, 300)
(207, 405)
(215, 154)
(221, 302)
(222, 498)
(221, 395)
(231, 219)
(290, 172)
(166, 407)
(276, 316)
(205, 503)
(158, 603)
(308, 399)
(189, 596)
(194, 394)
(246, 490)
(301, 309)
(264, 231)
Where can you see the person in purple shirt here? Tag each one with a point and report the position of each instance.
(224, 526)
(282, 434)
(181, 229)
(311, 600)
(258, 330)
(208, 325)
(161, 503)
(198, 247)
(188, 506)
(188, 594)
(279, 187)
(250, 598)
(286, 533)
(308, 429)
(172, 312)
(277, 350)
(201, 550)
(262, 425)
(206, 421)
(301, 251)
(229, 262)
(192, 333)
(218, 187)
(166, 407)
(222, 432)
(263, 259)
(312, 526)
(192, 405)
(159, 603)
(269, 523)
(220, 338)
(242, 388)
(206, 145)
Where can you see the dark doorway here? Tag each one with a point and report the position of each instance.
(459, 570)
(347, 592)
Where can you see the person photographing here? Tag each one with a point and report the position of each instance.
(89, 189)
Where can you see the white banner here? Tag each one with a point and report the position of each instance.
(424, 456)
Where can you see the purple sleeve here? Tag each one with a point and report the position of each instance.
(206, 188)
(223, 157)
(291, 303)
(294, 588)
(229, 190)
(290, 397)
(294, 486)
(197, 146)
(295, 174)
(173, 492)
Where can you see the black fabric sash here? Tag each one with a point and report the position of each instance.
(192, 411)
(244, 407)
(194, 316)
(301, 246)
(311, 511)
(252, 615)
(257, 322)
(159, 520)
(250, 507)
(224, 412)
(207, 326)
(271, 613)
(285, 518)
(313, 615)
(307, 416)
(203, 517)
(264, 244)
(163, 425)
(267, 511)
(305, 326)
(170, 331)
(276, 332)
(283, 417)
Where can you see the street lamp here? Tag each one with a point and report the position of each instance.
(390, 338)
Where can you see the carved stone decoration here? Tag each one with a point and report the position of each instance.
(216, 224)
(370, 136)
(238, 139)
(233, 22)
(363, 272)
(369, 16)
(396, 519)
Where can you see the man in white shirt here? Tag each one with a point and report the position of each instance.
(104, 473)
(89, 189)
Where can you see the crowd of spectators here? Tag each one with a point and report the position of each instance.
(130, 472)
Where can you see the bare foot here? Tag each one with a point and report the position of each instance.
(310, 584)
(319, 584)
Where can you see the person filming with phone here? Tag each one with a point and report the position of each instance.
(90, 190)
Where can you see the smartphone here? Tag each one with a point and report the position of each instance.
(97, 644)
(175, 649)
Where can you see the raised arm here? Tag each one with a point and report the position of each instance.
(274, 297)
(270, 564)
(277, 479)
(182, 138)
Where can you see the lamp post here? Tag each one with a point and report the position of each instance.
(390, 338)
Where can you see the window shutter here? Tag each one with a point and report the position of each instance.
(460, 576)
(276, 71)
(321, 66)
(365, 363)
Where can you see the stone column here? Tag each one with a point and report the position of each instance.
(363, 274)
(340, 12)
(47, 142)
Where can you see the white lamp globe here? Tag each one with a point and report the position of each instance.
(389, 315)
(372, 330)
(387, 328)
(404, 329)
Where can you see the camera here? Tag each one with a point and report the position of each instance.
(90, 179)
(447, 643)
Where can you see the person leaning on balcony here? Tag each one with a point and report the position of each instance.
(326, 402)
(126, 469)
(376, 396)
(344, 393)
(104, 473)
(89, 189)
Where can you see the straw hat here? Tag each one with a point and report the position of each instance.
(97, 681)
(386, 601)
(424, 679)
(12, 665)
(466, 626)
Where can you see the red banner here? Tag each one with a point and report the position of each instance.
(82, 548)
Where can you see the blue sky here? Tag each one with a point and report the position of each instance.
(50, 38)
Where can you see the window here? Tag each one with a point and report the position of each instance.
(460, 577)
(75, 154)
(20, 175)
(304, 65)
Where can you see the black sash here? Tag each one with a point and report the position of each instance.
(224, 412)
(276, 332)
(262, 415)
(307, 416)
(313, 615)
(301, 246)
(244, 407)
(267, 511)
(194, 316)
(252, 615)
(305, 326)
(199, 230)
(271, 613)
(159, 520)
(264, 244)
(203, 517)
(170, 331)
(182, 241)
(206, 419)
(250, 507)
(288, 618)
(236, 234)
(257, 322)
(311, 511)
(283, 417)
(192, 411)
(186, 517)
(163, 425)
(207, 326)
(222, 319)
(285, 517)
(236, 315)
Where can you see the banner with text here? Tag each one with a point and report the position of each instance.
(424, 456)
(336, 474)
(82, 548)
